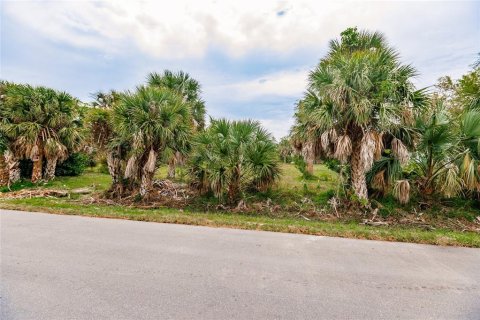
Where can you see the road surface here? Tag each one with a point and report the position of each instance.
(69, 267)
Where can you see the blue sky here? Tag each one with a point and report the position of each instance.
(251, 57)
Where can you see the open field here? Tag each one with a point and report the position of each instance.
(290, 187)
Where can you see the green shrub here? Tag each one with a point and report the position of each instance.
(332, 164)
(75, 165)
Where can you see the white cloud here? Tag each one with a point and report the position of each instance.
(278, 127)
(189, 28)
(285, 83)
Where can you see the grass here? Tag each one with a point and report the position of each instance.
(247, 221)
(290, 185)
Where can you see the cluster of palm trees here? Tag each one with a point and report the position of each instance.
(164, 121)
(39, 124)
(362, 109)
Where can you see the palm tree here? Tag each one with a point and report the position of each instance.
(189, 90)
(306, 132)
(40, 124)
(233, 156)
(285, 149)
(366, 102)
(152, 120)
(102, 135)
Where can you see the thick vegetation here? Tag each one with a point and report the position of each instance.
(362, 109)
(231, 157)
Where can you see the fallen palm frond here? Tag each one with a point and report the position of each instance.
(343, 148)
(401, 191)
(34, 193)
(400, 151)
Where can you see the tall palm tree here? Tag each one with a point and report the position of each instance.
(40, 124)
(367, 102)
(152, 119)
(233, 156)
(189, 90)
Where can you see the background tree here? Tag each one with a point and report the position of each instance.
(189, 90)
(305, 133)
(231, 157)
(367, 103)
(102, 135)
(285, 149)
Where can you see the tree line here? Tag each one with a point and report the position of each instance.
(361, 115)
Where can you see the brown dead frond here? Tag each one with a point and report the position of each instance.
(378, 145)
(132, 167)
(343, 148)
(378, 181)
(400, 151)
(401, 191)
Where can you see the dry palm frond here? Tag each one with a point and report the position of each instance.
(449, 181)
(325, 141)
(367, 150)
(379, 182)
(297, 144)
(378, 145)
(401, 191)
(468, 173)
(332, 135)
(151, 161)
(34, 153)
(343, 148)
(407, 115)
(400, 151)
(132, 167)
(54, 149)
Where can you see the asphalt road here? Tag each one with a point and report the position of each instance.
(68, 267)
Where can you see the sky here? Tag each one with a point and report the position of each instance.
(252, 58)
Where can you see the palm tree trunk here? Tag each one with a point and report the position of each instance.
(50, 168)
(3, 171)
(359, 182)
(234, 186)
(13, 167)
(171, 168)
(309, 156)
(114, 166)
(37, 158)
(148, 171)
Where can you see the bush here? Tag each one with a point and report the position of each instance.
(75, 165)
(332, 164)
